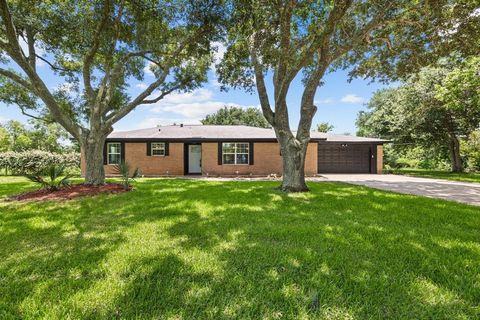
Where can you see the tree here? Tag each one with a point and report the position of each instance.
(18, 135)
(4, 140)
(434, 108)
(444, 27)
(237, 116)
(283, 39)
(324, 127)
(96, 48)
(15, 136)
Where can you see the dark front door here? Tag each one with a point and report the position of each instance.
(344, 158)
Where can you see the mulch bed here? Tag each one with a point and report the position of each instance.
(70, 192)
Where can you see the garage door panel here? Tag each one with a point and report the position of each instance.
(344, 158)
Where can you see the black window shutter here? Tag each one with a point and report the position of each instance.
(220, 151)
(149, 148)
(167, 149)
(122, 151)
(105, 153)
(250, 153)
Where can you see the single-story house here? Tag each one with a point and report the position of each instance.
(212, 150)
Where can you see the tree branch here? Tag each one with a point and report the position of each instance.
(260, 83)
(88, 60)
(31, 48)
(32, 116)
(17, 78)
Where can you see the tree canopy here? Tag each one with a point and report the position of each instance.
(95, 49)
(434, 29)
(324, 127)
(435, 107)
(51, 137)
(237, 116)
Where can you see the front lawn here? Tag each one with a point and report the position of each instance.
(464, 177)
(185, 249)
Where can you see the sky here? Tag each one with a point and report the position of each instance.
(338, 102)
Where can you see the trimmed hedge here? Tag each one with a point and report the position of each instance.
(35, 161)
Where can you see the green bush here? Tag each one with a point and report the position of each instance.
(52, 179)
(124, 170)
(32, 162)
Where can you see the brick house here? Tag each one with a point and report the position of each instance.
(233, 150)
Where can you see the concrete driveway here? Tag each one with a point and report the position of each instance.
(434, 188)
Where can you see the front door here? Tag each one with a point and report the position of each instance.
(194, 158)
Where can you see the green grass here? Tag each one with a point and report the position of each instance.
(180, 249)
(464, 177)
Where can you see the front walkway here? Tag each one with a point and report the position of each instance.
(464, 192)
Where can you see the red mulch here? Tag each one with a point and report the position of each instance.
(70, 192)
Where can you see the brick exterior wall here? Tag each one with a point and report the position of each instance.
(136, 156)
(267, 160)
(379, 159)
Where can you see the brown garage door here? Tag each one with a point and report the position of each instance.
(344, 158)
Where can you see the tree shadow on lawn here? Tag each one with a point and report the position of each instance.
(195, 249)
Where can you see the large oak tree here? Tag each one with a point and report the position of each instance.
(283, 39)
(96, 48)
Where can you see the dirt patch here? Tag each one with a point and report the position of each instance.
(70, 192)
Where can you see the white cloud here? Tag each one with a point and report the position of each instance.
(193, 110)
(147, 69)
(214, 83)
(351, 98)
(3, 120)
(141, 85)
(324, 101)
(189, 107)
(197, 95)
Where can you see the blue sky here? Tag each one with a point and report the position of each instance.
(338, 102)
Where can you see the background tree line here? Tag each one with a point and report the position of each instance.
(433, 117)
(38, 135)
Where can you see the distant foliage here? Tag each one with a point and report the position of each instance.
(237, 116)
(324, 127)
(32, 162)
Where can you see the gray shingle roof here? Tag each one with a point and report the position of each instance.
(212, 132)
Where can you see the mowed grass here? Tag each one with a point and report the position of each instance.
(463, 177)
(186, 249)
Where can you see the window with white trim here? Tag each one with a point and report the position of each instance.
(235, 153)
(158, 148)
(114, 153)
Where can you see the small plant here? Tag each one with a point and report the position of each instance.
(124, 170)
(52, 178)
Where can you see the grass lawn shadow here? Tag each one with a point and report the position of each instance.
(227, 250)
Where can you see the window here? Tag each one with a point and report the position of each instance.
(235, 153)
(158, 149)
(114, 153)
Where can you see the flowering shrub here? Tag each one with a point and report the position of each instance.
(30, 162)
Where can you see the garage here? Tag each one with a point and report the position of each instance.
(346, 158)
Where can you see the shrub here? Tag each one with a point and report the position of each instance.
(124, 170)
(34, 161)
(55, 178)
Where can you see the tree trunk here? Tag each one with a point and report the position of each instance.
(93, 152)
(293, 157)
(457, 164)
